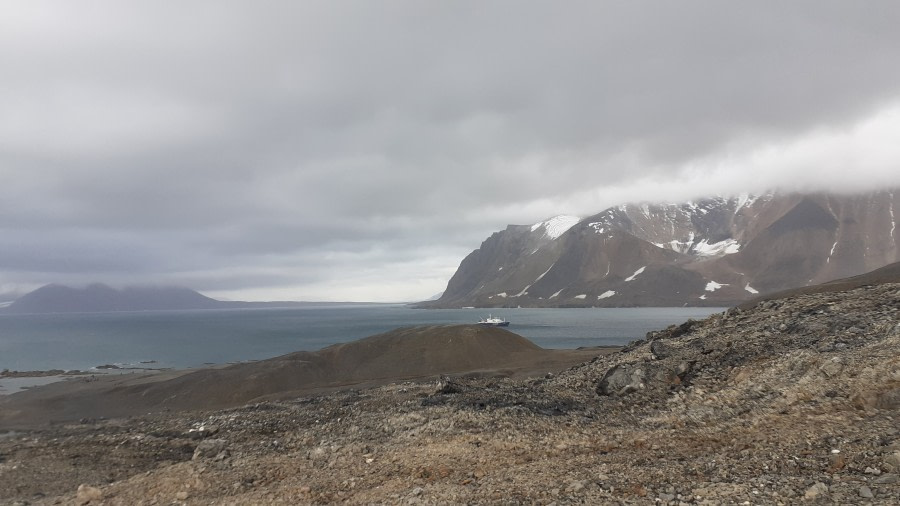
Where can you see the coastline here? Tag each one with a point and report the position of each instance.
(42, 398)
(198, 338)
(12, 382)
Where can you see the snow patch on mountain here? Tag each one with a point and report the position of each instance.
(751, 289)
(598, 226)
(712, 286)
(557, 293)
(830, 253)
(726, 247)
(544, 274)
(556, 226)
(893, 223)
(636, 273)
(744, 199)
(681, 246)
(581, 296)
(607, 294)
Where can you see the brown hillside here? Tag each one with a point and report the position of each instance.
(887, 274)
(406, 353)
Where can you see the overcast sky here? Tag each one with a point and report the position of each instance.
(358, 150)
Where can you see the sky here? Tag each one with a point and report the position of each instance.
(359, 150)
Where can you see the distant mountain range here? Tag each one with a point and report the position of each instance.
(102, 298)
(710, 252)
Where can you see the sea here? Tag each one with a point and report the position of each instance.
(187, 339)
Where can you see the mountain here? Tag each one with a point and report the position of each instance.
(98, 298)
(101, 298)
(711, 252)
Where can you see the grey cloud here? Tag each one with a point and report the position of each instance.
(210, 137)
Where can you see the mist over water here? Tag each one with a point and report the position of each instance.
(183, 339)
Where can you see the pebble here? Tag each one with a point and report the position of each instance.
(817, 490)
(892, 462)
(865, 492)
(576, 486)
(887, 479)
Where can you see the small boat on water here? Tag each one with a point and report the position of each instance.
(493, 321)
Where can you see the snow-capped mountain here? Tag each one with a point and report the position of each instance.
(557, 226)
(717, 251)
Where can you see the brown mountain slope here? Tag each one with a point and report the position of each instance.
(713, 252)
(887, 274)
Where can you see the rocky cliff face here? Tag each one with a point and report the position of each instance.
(718, 251)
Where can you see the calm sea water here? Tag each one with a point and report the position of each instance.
(193, 338)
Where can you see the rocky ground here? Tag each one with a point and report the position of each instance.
(791, 401)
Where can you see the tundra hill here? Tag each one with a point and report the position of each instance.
(408, 353)
(712, 252)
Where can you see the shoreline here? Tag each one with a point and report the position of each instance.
(15, 381)
(12, 382)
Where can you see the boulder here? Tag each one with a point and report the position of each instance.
(210, 448)
(87, 494)
(623, 379)
(892, 462)
(866, 492)
(816, 491)
(661, 349)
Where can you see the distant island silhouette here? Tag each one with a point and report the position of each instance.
(100, 298)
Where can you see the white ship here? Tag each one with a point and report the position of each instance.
(493, 321)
